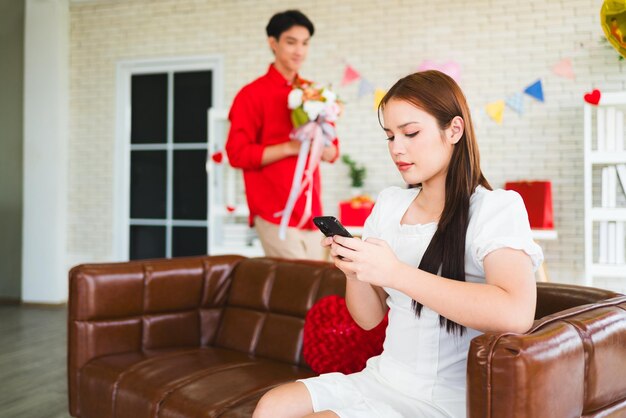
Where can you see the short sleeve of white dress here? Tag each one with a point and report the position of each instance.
(372, 227)
(500, 220)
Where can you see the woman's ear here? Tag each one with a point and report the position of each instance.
(455, 130)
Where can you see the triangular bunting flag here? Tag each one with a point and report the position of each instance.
(451, 68)
(535, 90)
(365, 87)
(495, 111)
(378, 96)
(349, 75)
(564, 69)
(516, 102)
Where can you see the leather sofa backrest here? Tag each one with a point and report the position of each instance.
(267, 303)
(556, 297)
(142, 305)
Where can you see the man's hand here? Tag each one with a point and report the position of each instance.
(291, 148)
(329, 153)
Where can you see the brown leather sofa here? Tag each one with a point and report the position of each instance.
(207, 336)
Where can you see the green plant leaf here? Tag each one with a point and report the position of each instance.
(357, 173)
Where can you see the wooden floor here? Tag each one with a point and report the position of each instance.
(33, 378)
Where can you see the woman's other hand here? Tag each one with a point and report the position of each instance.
(371, 261)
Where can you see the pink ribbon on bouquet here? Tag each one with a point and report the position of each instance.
(314, 137)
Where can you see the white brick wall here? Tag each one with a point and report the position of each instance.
(501, 46)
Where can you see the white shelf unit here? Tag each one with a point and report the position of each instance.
(228, 231)
(605, 210)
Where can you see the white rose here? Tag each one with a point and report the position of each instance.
(313, 108)
(295, 98)
(329, 96)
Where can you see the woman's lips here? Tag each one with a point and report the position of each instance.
(404, 166)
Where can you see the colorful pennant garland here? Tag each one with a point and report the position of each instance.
(365, 88)
(516, 102)
(535, 90)
(495, 110)
(378, 96)
(349, 75)
(563, 68)
(451, 68)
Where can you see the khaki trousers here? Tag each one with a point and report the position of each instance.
(299, 243)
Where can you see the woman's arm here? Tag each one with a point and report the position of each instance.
(506, 302)
(366, 303)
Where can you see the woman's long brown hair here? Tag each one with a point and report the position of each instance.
(439, 95)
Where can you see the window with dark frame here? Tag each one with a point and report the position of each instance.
(168, 180)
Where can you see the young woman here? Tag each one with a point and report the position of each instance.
(450, 259)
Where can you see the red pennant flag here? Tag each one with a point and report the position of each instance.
(349, 75)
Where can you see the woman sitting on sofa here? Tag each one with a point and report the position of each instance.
(450, 259)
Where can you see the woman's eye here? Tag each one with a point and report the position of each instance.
(413, 134)
(390, 138)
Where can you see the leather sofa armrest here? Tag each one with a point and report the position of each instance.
(143, 305)
(558, 368)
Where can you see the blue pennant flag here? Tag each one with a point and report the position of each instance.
(365, 87)
(516, 102)
(535, 90)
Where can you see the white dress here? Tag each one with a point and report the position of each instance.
(422, 370)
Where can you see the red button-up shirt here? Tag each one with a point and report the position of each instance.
(260, 117)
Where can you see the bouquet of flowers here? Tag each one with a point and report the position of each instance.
(309, 102)
(314, 109)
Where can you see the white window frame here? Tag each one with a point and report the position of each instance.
(121, 190)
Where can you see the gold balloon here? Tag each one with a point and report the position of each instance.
(613, 21)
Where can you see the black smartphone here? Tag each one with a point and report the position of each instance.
(329, 225)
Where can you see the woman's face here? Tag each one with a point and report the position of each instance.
(420, 150)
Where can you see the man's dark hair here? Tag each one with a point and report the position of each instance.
(284, 21)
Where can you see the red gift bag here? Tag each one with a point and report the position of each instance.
(354, 212)
(537, 196)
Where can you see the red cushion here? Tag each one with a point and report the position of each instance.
(333, 342)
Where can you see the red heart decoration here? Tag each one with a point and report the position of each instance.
(333, 342)
(217, 157)
(230, 208)
(593, 97)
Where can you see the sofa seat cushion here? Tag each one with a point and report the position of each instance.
(199, 382)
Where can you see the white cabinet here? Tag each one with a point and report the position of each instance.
(605, 188)
(228, 230)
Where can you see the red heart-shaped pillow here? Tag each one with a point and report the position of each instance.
(333, 342)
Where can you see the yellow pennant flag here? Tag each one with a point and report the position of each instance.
(495, 110)
(378, 96)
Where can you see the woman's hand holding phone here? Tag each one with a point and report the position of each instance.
(371, 261)
(367, 261)
(330, 226)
